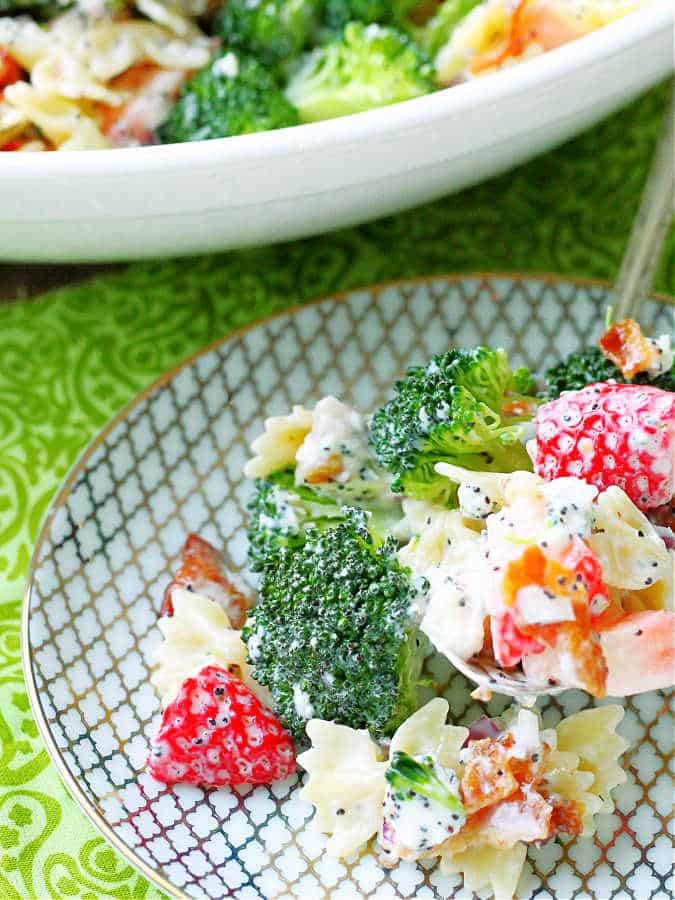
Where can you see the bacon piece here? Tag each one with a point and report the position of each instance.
(625, 345)
(203, 571)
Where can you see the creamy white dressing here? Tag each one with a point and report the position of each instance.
(569, 504)
(663, 357)
(525, 733)
(474, 502)
(518, 820)
(338, 431)
(537, 606)
(302, 703)
(416, 823)
(226, 65)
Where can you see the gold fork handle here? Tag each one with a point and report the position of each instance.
(657, 207)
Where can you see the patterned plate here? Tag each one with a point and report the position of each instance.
(171, 462)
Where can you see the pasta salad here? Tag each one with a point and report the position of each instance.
(94, 74)
(478, 515)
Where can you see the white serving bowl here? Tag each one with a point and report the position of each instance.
(254, 189)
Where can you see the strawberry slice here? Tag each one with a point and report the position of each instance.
(509, 642)
(217, 732)
(203, 571)
(611, 434)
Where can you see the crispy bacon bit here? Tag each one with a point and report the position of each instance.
(519, 406)
(487, 777)
(204, 571)
(578, 644)
(626, 346)
(330, 468)
(10, 70)
(566, 817)
(530, 568)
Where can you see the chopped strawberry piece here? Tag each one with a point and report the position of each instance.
(577, 576)
(203, 570)
(510, 643)
(10, 70)
(587, 578)
(217, 732)
(611, 434)
(626, 346)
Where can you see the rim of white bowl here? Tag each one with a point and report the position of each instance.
(609, 40)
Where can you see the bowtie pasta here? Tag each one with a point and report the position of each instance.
(482, 799)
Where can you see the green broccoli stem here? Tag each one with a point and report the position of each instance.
(405, 774)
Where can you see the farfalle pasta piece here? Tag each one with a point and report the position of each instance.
(425, 733)
(591, 734)
(111, 48)
(483, 867)
(276, 447)
(563, 778)
(433, 531)
(12, 122)
(198, 634)
(346, 784)
(62, 121)
(64, 75)
(566, 772)
(630, 551)
(71, 65)
(24, 39)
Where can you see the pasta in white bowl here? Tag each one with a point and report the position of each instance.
(284, 182)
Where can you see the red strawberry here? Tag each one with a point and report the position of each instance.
(217, 732)
(509, 642)
(204, 571)
(611, 434)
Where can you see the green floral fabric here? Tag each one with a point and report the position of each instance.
(70, 359)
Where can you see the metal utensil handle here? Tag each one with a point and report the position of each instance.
(657, 207)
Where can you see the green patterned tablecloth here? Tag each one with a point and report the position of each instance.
(70, 359)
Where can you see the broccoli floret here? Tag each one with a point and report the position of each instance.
(40, 9)
(233, 95)
(666, 381)
(338, 12)
(406, 774)
(590, 366)
(449, 410)
(435, 33)
(578, 370)
(523, 381)
(368, 66)
(280, 512)
(272, 30)
(333, 635)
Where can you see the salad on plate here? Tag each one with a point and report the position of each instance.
(523, 530)
(95, 74)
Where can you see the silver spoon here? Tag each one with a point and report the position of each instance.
(636, 275)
